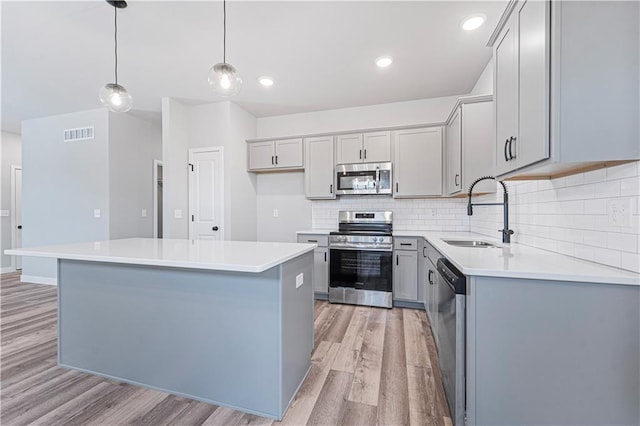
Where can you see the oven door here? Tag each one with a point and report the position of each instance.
(361, 269)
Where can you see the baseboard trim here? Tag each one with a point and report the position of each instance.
(34, 279)
(7, 270)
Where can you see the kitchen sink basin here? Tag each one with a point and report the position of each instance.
(470, 243)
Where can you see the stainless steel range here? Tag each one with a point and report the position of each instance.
(361, 254)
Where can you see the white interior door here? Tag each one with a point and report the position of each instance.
(206, 194)
(17, 213)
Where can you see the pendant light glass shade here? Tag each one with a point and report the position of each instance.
(224, 79)
(116, 98)
(112, 95)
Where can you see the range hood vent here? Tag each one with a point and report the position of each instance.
(79, 134)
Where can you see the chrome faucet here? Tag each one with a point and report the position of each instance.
(506, 232)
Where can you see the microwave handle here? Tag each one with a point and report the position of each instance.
(377, 179)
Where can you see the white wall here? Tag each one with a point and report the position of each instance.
(11, 155)
(63, 182)
(407, 113)
(243, 185)
(569, 215)
(175, 145)
(133, 145)
(484, 85)
(285, 191)
(214, 124)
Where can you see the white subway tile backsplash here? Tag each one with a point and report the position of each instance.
(434, 214)
(569, 215)
(622, 171)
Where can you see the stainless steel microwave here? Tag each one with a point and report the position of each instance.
(367, 178)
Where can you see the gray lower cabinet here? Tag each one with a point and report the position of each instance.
(429, 258)
(320, 263)
(405, 270)
(552, 352)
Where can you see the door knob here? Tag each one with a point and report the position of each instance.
(19, 226)
(215, 228)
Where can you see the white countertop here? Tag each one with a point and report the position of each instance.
(519, 261)
(235, 256)
(317, 231)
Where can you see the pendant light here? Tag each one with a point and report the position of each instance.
(112, 95)
(223, 78)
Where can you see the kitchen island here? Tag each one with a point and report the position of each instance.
(225, 322)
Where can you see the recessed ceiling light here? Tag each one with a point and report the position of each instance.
(473, 22)
(384, 61)
(266, 81)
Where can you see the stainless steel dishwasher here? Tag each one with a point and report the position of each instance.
(451, 288)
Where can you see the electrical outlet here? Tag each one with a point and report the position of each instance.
(4, 213)
(299, 280)
(177, 214)
(143, 213)
(275, 213)
(96, 213)
(619, 211)
(432, 212)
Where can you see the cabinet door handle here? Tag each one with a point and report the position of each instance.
(430, 277)
(325, 256)
(397, 260)
(506, 144)
(331, 189)
(511, 141)
(456, 180)
(272, 161)
(312, 241)
(424, 254)
(396, 186)
(276, 160)
(365, 154)
(361, 154)
(215, 228)
(405, 244)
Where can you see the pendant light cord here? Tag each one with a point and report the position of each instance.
(115, 36)
(224, 35)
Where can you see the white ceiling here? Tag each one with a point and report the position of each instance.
(57, 55)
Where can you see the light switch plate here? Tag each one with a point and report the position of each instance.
(4, 213)
(144, 213)
(96, 213)
(619, 211)
(275, 213)
(299, 280)
(177, 214)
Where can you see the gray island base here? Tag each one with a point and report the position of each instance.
(237, 339)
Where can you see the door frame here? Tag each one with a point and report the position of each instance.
(14, 168)
(156, 164)
(191, 196)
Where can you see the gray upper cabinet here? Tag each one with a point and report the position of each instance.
(280, 154)
(377, 147)
(372, 147)
(454, 152)
(555, 111)
(319, 173)
(417, 162)
(522, 112)
(477, 144)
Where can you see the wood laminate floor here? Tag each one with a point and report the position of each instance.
(370, 366)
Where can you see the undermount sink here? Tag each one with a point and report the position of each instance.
(469, 243)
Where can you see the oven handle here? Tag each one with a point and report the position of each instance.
(362, 248)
